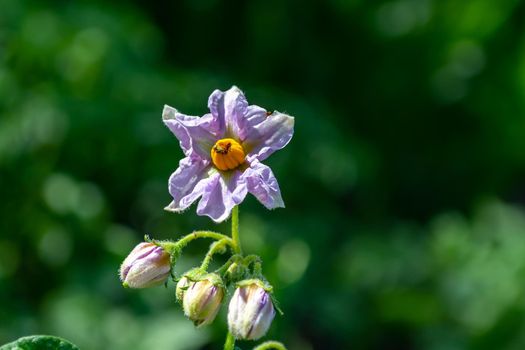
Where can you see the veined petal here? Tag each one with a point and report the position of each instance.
(254, 116)
(169, 116)
(261, 182)
(229, 106)
(226, 190)
(196, 135)
(187, 183)
(270, 135)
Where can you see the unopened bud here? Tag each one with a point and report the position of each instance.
(147, 265)
(202, 300)
(250, 312)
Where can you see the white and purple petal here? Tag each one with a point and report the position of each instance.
(269, 135)
(229, 106)
(188, 182)
(197, 135)
(253, 116)
(261, 182)
(222, 194)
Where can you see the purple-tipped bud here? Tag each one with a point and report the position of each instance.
(250, 312)
(147, 265)
(201, 301)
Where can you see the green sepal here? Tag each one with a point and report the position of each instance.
(195, 275)
(262, 284)
(190, 275)
(276, 304)
(39, 342)
(169, 247)
(181, 288)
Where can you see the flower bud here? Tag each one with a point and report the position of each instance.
(250, 312)
(147, 265)
(201, 301)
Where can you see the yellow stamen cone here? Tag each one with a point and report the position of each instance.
(227, 154)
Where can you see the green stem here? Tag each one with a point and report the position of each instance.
(235, 230)
(183, 242)
(251, 259)
(256, 262)
(216, 247)
(230, 342)
(234, 258)
(272, 344)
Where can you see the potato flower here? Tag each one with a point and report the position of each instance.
(223, 153)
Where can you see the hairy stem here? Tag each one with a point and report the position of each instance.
(256, 263)
(183, 242)
(235, 230)
(233, 259)
(216, 247)
(230, 340)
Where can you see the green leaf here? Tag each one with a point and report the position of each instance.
(39, 342)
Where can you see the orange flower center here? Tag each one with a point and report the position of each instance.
(227, 154)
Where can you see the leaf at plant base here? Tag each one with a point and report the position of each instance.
(39, 342)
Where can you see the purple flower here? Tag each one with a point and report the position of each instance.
(223, 154)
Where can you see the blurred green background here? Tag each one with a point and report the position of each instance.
(404, 183)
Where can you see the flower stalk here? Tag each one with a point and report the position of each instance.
(175, 248)
(230, 339)
(235, 230)
(181, 243)
(216, 247)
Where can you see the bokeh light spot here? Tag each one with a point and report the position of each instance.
(55, 247)
(90, 201)
(119, 239)
(400, 17)
(293, 260)
(61, 193)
